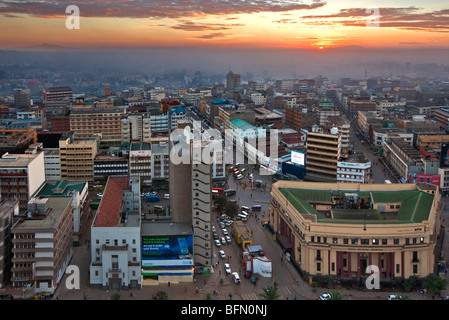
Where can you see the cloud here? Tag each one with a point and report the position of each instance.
(212, 35)
(410, 18)
(193, 26)
(154, 8)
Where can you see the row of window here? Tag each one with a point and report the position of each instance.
(364, 241)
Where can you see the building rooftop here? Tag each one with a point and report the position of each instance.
(57, 206)
(60, 188)
(17, 160)
(166, 228)
(108, 212)
(415, 203)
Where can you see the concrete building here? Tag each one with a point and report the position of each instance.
(8, 209)
(47, 229)
(339, 229)
(21, 175)
(77, 191)
(107, 165)
(323, 153)
(232, 81)
(77, 158)
(160, 161)
(104, 122)
(56, 97)
(136, 127)
(115, 236)
(354, 169)
(140, 160)
(22, 98)
(191, 195)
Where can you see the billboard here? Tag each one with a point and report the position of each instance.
(171, 250)
(298, 158)
(424, 178)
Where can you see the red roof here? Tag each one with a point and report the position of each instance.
(108, 212)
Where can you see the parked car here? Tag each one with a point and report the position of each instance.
(228, 239)
(227, 268)
(235, 277)
(225, 232)
(215, 236)
(240, 176)
(222, 254)
(167, 196)
(217, 243)
(223, 240)
(230, 192)
(393, 297)
(325, 296)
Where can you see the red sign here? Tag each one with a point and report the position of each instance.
(428, 178)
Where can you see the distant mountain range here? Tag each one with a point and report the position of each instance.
(42, 47)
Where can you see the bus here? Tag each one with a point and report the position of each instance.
(219, 190)
(257, 208)
(152, 198)
(387, 181)
(94, 204)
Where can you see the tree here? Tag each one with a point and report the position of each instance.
(161, 295)
(220, 202)
(411, 282)
(336, 296)
(271, 292)
(114, 296)
(434, 283)
(231, 209)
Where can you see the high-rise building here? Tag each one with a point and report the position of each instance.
(7, 210)
(232, 81)
(20, 176)
(22, 98)
(191, 195)
(36, 263)
(323, 153)
(77, 158)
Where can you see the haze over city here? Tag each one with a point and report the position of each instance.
(276, 38)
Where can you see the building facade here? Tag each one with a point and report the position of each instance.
(338, 230)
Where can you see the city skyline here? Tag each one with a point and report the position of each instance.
(306, 24)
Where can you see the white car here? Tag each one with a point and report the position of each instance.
(227, 268)
(228, 239)
(393, 297)
(325, 296)
(225, 232)
(217, 243)
(235, 277)
(240, 176)
(223, 240)
(166, 196)
(222, 254)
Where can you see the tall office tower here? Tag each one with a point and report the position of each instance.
(22, 98)
(232, 81)
(191, 194)
(323, 153)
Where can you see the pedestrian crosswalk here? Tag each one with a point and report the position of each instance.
(284, 291)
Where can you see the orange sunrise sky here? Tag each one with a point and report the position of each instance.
(284, 24)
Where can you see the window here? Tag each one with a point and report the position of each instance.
(375, 241)
(354, 241)
(384, 241)
(334, 240)
(318, 266)
(396, 241)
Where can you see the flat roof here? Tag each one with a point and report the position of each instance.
(164, 228)
(57, 206)
(61, 188)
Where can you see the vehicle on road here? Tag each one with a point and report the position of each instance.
(215, 236)
(393, 297)
(225, 232)
(222, 254)
(242, 217)
(229, 222)
(230, 192)
(223, 240)
(325, 296)
(228, 239)
(240, 176)
(257, 208)
(217, 243)
(222, 225)
(235, 277)
(166, 196)
(152, 198)
(227, 268)
(245, 208)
